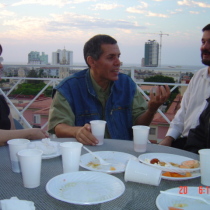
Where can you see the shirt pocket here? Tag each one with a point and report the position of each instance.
(85, 117)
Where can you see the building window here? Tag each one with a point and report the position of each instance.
(37, 119)
(152, 131)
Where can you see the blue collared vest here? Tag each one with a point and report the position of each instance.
(80, 94)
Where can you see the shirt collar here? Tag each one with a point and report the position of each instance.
(97, 87)
(206, 74)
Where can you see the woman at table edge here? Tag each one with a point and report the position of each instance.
(7, 126)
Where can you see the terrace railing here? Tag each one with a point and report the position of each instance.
(54, 81)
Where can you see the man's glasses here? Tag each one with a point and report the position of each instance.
(1, 59)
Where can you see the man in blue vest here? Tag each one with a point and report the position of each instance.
(101, 92)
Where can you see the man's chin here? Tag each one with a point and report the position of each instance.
(114, 78)
(206, 62)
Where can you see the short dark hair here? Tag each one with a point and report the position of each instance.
(93, 46)
(206, 28)
(1, 49)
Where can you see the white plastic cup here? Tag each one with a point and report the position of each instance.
(16, 145)
(141, 173)
(30, 163)
(98, 130)
(140, 137)
(71, 152)
(204, 166)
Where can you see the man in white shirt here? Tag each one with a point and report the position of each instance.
(194, 99)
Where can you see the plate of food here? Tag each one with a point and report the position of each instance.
(170, 162)
(174, 176)
(50, 148)
(169, 202)
(117, 160)
(85, 187)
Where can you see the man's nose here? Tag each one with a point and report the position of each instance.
(206, 45)
(117, 61)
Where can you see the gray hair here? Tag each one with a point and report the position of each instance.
(93, 46)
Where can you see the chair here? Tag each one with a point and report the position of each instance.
(17, 124)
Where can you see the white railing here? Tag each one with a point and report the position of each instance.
(50, 82)
(54, 81)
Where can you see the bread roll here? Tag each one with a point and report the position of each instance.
(190, 164)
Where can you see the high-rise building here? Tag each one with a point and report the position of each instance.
(35, 58)
(151, 53)
(62, 57)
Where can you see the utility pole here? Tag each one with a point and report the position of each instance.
(161, 34)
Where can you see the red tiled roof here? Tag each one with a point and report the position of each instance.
(43, 111)
(38, 104)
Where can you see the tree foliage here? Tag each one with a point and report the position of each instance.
(31, 89)
(33, 74)
(4, 80)
(160, 78)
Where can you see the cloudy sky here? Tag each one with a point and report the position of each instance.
(48, 25)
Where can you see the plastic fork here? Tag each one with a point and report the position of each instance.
(186, 196)
(102, 162)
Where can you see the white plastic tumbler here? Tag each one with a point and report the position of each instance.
(98, 130)
(16, 145)
(204, 166)
(140, 137)
(71, 152)
(141, 173)
(30, 163)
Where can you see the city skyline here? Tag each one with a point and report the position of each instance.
(43, 26)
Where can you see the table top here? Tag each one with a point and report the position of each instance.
(136, 196)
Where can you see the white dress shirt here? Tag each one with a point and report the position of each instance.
(192, 105)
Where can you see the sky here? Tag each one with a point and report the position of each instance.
(49, 25)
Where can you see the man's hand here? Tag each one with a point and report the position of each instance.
(158, 95)
(167, 141)
(84, 135)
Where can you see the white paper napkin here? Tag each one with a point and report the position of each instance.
(15, 204)
(46, 145)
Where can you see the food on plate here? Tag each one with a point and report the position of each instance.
(180, 205)
(112, 168)
(177, 206)
(96, 165)
(185, 164)
(93, 165)
(174, 208)
(174, 164)
(162, 164)
(174, 174)
(190, 164)
(155, 160)
(158, 162)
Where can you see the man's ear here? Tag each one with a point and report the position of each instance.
(90, 61)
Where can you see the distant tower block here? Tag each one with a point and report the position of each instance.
(151, 53)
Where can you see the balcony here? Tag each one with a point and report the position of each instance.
(33, 111)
